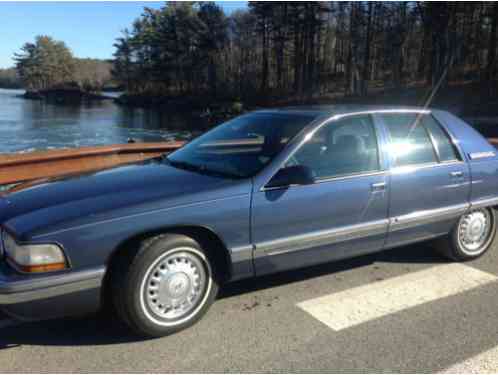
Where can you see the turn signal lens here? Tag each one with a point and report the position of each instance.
(45, 268)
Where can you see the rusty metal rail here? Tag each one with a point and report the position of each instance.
(16, 168)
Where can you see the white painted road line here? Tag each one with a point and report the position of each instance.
(486, 362)
(361, 304)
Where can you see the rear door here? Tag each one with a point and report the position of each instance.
(429, 180)
(343, 213)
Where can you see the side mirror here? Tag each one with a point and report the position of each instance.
(293, 175)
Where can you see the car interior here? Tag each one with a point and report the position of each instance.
(346, 147)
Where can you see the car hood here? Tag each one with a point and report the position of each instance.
(80, 199)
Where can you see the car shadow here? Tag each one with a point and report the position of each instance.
(79, 331)
(418, 253)
(97, 330)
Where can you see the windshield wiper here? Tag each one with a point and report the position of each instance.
(201, 169)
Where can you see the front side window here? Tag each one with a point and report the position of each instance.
(241, 147)
(340, 148)
(410, 143)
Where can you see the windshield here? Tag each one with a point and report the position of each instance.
(241, 147)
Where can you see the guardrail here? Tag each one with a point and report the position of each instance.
(16, 168)
(38, 165)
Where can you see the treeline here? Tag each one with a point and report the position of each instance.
(48, 63)
(9, 79)
(306, 49)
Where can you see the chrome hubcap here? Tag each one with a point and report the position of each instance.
(474, 230)
(175, 284)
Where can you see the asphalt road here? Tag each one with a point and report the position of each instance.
(404, 310)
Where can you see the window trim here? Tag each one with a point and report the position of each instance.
(329, 179)
(433, 142)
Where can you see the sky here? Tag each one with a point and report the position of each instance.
(88, 28)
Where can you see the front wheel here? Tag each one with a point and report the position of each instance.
(472, 235)
(167, 286)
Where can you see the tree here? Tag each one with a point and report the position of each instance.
(92, 74)
(301, 49)
(45, 63)
(263, 13)
(212, 39)
(122, 69)
(491, 68)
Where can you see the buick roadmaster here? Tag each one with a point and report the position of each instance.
(268, 191)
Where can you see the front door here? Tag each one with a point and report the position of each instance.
(343, 213)
(429, 181)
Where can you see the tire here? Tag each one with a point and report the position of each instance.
(164, 286)
(479, 224)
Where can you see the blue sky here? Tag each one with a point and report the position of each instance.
(88, 28)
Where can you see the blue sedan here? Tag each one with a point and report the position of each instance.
(268, 191)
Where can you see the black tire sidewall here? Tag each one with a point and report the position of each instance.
(139, 321)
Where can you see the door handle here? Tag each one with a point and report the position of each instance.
(378, 186)
(456, 174)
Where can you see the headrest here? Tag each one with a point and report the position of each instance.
(349, 143)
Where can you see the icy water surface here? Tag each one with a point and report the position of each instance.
(27, 125)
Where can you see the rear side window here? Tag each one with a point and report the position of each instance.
(442, 142)
(410, 142)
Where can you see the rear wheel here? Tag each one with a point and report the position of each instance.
(165, 287)
(472, 236)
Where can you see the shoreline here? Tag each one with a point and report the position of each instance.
(462, 98)
(63, 95)
(202, 106)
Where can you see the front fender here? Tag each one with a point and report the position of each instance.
(90, 245)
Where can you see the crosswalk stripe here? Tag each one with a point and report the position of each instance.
(486, 362)
(364, 303)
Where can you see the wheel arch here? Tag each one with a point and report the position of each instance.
(207, 238)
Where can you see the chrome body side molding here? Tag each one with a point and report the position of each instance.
(241, 259)
(426, 217)
(358, 231)
(484, 202)
(319, 238)
(241, 253)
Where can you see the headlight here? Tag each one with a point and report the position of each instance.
(33, 257)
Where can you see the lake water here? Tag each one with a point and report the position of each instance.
(27, 125)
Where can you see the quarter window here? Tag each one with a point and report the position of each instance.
(444, 146)
(410, 142)
(344, 147)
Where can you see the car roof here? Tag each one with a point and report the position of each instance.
(340, 109)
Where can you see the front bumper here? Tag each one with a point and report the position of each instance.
(46, 296)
